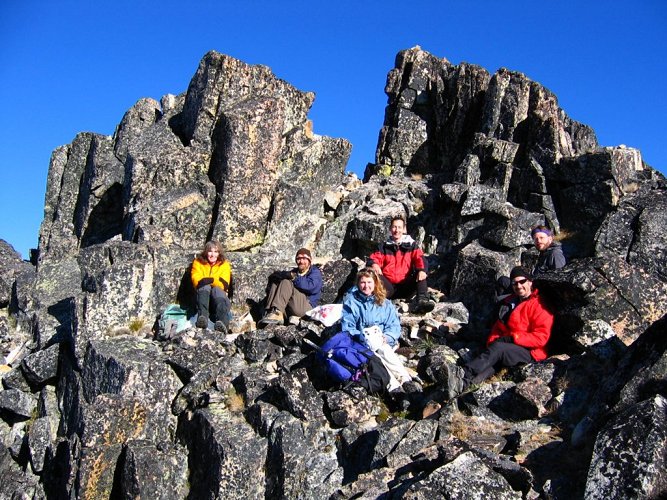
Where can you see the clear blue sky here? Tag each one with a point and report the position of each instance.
(73, 66)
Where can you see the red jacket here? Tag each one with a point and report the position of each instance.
(529, 325)
(398, 260)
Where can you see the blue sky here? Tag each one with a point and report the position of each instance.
(73, 66)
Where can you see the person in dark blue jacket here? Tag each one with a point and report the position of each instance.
(293, 292)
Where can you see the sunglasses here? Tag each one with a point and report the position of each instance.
(519, 282)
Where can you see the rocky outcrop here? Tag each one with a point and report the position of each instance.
(92, 405)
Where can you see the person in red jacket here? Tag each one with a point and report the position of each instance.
(401, 266)
(519, 335)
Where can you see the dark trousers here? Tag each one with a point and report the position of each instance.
(285, 297)
(213, 298)
(497, 354)
(405, 288)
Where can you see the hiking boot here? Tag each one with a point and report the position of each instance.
(220, 327)
(272, 317)
(202, 322)
(456, 384)
(406, 352)
(423, 305)
(294, 320)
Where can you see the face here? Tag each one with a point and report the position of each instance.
(302, 263)
(542, 241)
(212, 255)
(522, 287)
(366, 285)
(397, 229)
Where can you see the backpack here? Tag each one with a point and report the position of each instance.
(173, 320)
(347, 361)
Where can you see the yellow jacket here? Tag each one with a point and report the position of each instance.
(220, 272)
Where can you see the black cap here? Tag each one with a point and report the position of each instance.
(521, 271)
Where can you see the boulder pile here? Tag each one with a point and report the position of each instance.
(92, 404)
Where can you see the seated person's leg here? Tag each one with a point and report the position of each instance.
(221, 305)
(298, 304)
(498, 354)
(203, 298)
(276, 302)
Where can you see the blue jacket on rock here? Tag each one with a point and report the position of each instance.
(360, 311)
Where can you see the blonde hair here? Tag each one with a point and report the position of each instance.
(378, 291)
(212, 245)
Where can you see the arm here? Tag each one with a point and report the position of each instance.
(557, 258)
(417, 258)
(223, 275)
(497, 330)
(376, 260)
(391, 327)
(196, 273)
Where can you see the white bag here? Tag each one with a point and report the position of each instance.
(326, 314)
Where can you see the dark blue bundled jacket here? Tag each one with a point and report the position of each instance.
(310, 284)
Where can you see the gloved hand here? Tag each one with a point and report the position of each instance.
(278, 276)
(508, 339)
(204, 282)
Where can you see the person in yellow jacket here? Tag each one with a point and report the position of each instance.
(211, 275)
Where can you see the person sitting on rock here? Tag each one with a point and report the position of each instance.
(519, 335)
(401, 266)
(550, 256)
(551, 253)
(211, 276)
(293, 292)
(371, 319)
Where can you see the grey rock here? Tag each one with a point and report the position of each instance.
(370, 450)
(150, 471)
(629, 454)
(297, 395)
(12, 266)
(343, 409)
(253, 382)
(472, 160)
(434, 363)
(532, 396)
(255, 346)
(96, 470)
(16, 482)
(225, 457)
(599, 337)
(338, 277)
(41, 366)
(42, 436)
(15, 379)
(61, 468)
(302, 458)
(16, 404)
(127, 365)
(261, 416)
(465, 477)
(420, 436)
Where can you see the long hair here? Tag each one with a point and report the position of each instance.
(379, 291)
(212, 245)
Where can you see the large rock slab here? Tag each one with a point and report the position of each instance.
(630, 454)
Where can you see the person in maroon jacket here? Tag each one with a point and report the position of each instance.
(401, 266)
(519, 335)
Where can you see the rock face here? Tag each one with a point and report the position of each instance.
(92, 406)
